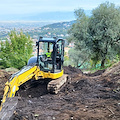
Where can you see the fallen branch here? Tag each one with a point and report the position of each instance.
(110, 110)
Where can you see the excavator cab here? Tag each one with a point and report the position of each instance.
(50, 54)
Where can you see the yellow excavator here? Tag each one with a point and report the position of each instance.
(47, 64)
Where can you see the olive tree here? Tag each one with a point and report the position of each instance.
(98, 35)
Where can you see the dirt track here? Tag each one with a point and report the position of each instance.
(85, 97)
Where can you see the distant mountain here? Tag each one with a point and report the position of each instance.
(48, 16)
(52, 30)
(60, 25)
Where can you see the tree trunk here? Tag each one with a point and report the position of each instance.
(81, 63)
(102, 63)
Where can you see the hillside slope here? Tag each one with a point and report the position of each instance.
(59, 29)
(88, 97)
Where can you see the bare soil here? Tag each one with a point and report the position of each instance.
(4, 76)
(93, 96)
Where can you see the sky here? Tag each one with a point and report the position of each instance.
(40, 6)
(46, 10)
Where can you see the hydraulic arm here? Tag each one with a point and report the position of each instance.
(27, 73)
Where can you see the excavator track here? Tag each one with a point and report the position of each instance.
(55, 86)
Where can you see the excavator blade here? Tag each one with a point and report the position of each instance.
(54, 86)
(8, 108)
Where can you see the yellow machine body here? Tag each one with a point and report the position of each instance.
(43, 66)
(12, 86)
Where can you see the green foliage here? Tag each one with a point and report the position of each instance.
(66, 59)
(16, 51)
(74, 57)
(104, 27)
(98, 35)
(77, 57)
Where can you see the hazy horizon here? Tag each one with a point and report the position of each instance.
(46, 10)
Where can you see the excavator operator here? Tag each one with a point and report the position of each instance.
(48, 54)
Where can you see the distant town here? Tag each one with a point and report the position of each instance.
(35, 30)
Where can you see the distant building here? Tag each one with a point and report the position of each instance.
(71, 44)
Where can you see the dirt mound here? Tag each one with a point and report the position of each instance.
(88, 97)
(98, 72)
(113, 70)
(33, 88)
(85, 97)
(71, 70)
